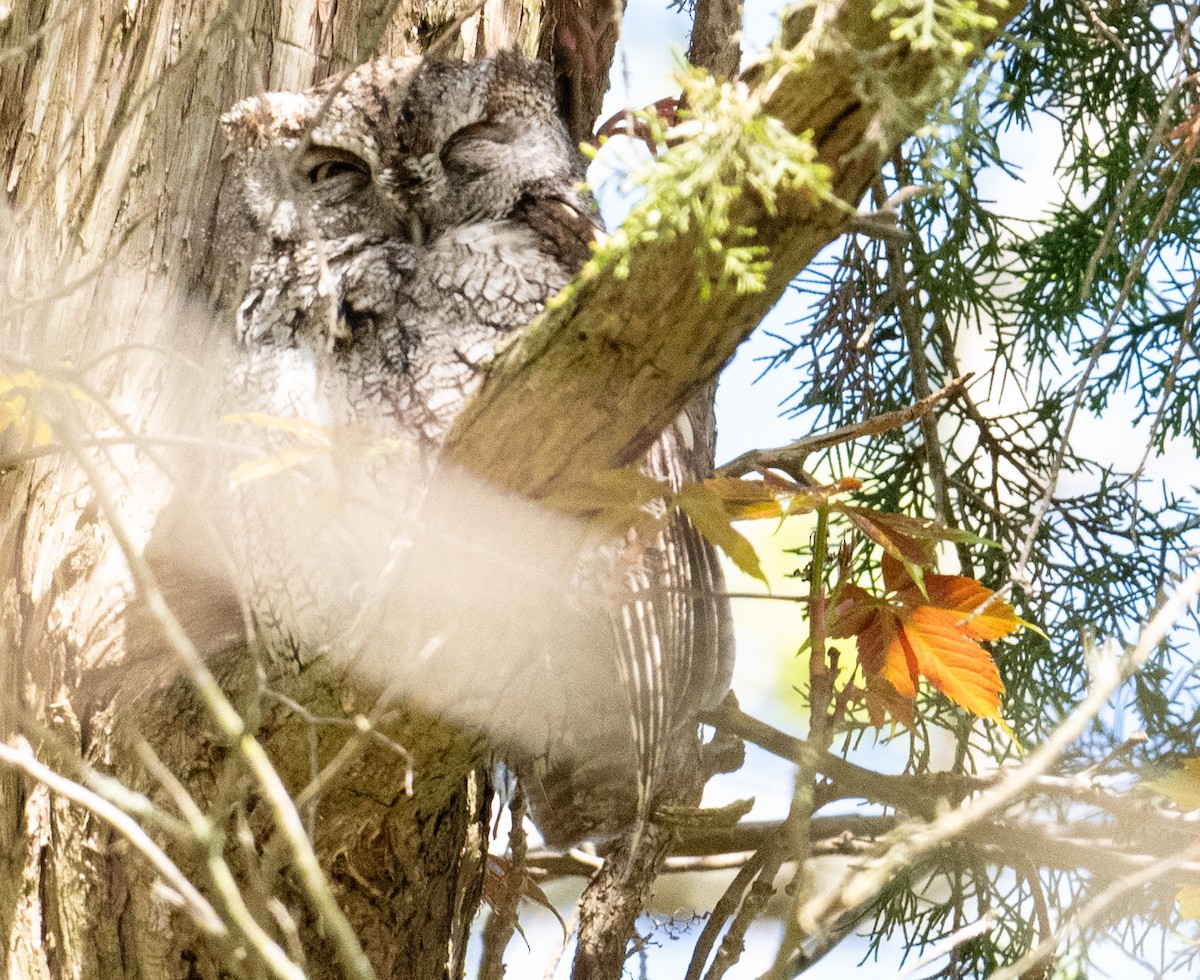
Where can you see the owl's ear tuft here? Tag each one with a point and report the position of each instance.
(513, 69)
(246, 125)
(260, 119)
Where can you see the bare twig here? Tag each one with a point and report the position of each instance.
(1020, 573)
(502, 922)
(1094, 909)
(226, 717)
(790, 458)
(947, 945)
(20, 755)
(822, 669)
(210, 845)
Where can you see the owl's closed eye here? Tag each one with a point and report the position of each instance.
(396, 222)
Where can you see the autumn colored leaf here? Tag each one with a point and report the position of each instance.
(773, 496)
(912, 540)
(884, 701)
(1189, 902)
(983, 615)
(707, 511)
(932, 633)
(937, 647)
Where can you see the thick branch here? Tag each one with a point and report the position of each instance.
(593, 382)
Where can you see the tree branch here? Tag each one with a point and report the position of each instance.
(791, 458)
(593, 381)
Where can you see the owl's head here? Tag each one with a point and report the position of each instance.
(404, 149)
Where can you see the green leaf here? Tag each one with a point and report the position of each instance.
(706, 509)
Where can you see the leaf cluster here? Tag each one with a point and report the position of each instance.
(1087, 308)
(721, 148)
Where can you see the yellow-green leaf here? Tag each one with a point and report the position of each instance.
(264, 466)
(22, 424)
(773, 495)
(707, 512)
(301, 428)
(1189, 902)
(1182, 786)
(616, 500)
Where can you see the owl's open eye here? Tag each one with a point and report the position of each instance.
(321, 164)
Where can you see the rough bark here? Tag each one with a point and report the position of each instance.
(594, 379)
(111, 153)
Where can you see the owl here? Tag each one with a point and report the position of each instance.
(390, 227)
(377, 240)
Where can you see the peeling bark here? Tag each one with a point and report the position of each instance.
(111, 153)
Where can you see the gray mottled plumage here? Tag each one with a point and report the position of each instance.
(379, 237)
(395, 224)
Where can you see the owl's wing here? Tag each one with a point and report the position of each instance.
(674, 635)
(627, 737)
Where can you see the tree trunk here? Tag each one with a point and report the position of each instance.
(112, 154)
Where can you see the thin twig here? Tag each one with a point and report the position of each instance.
(1020, 573)
(913, 842)
(227, 719)
(502, 923)
(20, 755)
(211, 846)
(822, 724)
(937, 950)
(1093, 910)
(791, 458)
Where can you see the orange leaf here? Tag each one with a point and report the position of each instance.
(935, 644)
(982, 616)
(897, 575)
(899, 666)
(909, 539)
(871, 621)
(773, 495)
(883, 700)
(931, 629)
(906, 538)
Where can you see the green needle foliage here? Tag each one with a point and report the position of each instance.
(1090, 305)
(722, 147)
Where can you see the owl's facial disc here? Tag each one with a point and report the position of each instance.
(334, 176)
(471, 152)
